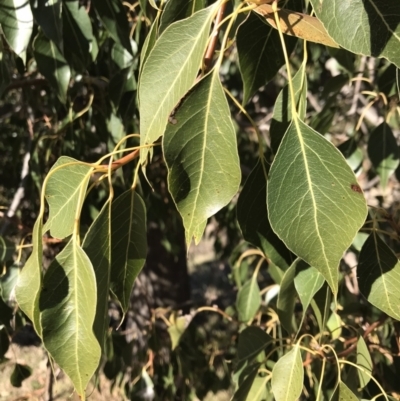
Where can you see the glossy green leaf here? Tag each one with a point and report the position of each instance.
(378, 274)
(48, 15)
(252, 216)
(30, 279)
(248, 300)
(364, 361)
(19, 374)
(80, 44)
(252, 340)
(287, 376)
(4, 341)
(97, 246)
(128, 254)
(67, 311)
(260, 53)
(65, 193)
(374, 29)
(282, 115)
(201, 154)
(176, 10)
(308, 282)
(311, 189)
(287, 298)
(383, 151)
(52, 64)
(16, 22)
(181, 48)
(113, 16)
(345, 394)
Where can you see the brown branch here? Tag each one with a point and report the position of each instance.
(214, 37)
(124, 160)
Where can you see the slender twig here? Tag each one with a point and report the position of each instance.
(214, 37)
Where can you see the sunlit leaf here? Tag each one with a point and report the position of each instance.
(177, 328)
(30, 279)
(287, 298)
(297, 24)
(260, 53)
(181, 48)
(201, 154)
(19, 374)
(97, 245)
(48, 15)
(80, 44)
(176, 10)
(374, 31)
(128, 253)
(148, 45)
(282, 115)
(378, 274)
(346, 394)
(287, 376)
(113, 15)
(248, 300)
(308, 282)
(334, 325)
(16, 22)
(52, 64)
(252, 340)
(67, 310)
(364, 361)
(311, 189)
(383, 151)
(65, 193)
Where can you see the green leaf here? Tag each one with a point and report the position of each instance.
(48, 15)
(19, 374)
(260, 53)
(8, 281)
(68, 306)
(248, 300)
(287, 376)
(16, 22)
(312, 189)
(128, 254)
(181, 48)
(6, 313)
(97, 245)
(383, 152)
(258, 390)
(252, 340)
(113, 16)
(364, 361)
(378, 274)
(177, 329)
(282, 115)
(30, 279)
(7, 249)
(334, 325)
(352, 153)
(52, 64)
(346, 394)
(148, 45)
(80, 45)
(65, 193)
(321, 306)
(245, 386)
(287, 298)
(201, 154)
(374, 29)
(252, 216)
(308, 282)
(176, 10)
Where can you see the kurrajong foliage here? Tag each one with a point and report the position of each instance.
(317, 271)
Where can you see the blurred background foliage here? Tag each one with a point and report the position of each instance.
(72, 91)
